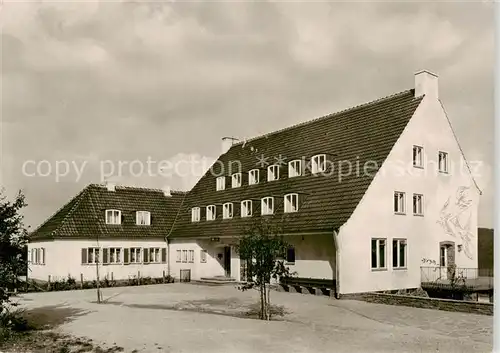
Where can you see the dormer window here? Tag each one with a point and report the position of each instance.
(227, 210)
(220, 183)
(195, 214)
(291, 203)
(267, 205)
(318, 163)
(210, 213)
(113, 217)
(143, 218)
(246, 208)
(294, 168)
(418, 156)
(273, 172)
(253, 177)
(236, 180)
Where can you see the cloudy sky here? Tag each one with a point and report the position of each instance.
(91, 85)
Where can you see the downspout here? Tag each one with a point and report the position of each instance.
(337, 263)
(171, 229)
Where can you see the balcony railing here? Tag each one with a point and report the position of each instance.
(456, 277)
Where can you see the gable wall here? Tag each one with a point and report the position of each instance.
(374, 216)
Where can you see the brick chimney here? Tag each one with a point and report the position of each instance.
(111, 186)
(167, 191)
(226, 144)
(426, 83)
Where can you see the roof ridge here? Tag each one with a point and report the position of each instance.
(59, 210)
(143, 188)
(362, 105)
(82, 194)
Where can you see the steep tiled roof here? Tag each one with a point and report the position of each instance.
(84, 215)
(358, 135)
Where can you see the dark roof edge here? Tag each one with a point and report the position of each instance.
(363, 105)
(139, 188)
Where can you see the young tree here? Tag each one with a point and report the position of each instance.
(263, 249)
(13, 241)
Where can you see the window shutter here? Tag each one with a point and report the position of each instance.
(122, 218)
(262, 175)
(43, 256)
(146, 255)
(84, 256)
(164, 255)
(126, 256)
(105, 253)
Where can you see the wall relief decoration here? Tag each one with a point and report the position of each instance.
(455, 218)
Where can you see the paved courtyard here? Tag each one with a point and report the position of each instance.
(195, 318)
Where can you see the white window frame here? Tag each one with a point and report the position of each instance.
(178, 255)
(236, 180)
(443, 162)
(289, 201)
(400, 206)
(266, 207)
(191, 256)
(294, 168)
(246, 205)
(318, 163)
(154, 255)
(211, 210)
(113, 217)
(402, 265)
(253, 177)
(117, 254)
(137, 255)
(378, 241)
(203, 256)
(220, 183)
(418, 156)
(96, 254)
(418, 204)
(227, 210)
(195, 214)
(273, 172)
(143, 216)
(184, 256)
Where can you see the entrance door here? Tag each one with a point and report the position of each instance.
(227, 261)
(443, 261)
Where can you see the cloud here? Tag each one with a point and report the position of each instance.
(126, 81)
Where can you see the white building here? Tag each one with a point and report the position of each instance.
(366, 197)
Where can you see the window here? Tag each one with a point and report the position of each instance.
(203, 256)
(184, 256)
(378, 254)
(210, 213)
(294, 168)
(399, 202)
(318, 164)
(418, 205)
(191, 256)
(267, 205)
(37, 256)
(195, 214)
(90, 255)
(443, 256)
(113, 217)
(418, 156)
(291, 203)
(154, 255)
(443, 162)
(399, 253)
(135, 255)
(236, 180)
(178, 259)
(273, 173)
(221, 183)
(290, 255)
(227, 211)
(115, 255)
(253, 177)
(143, 218)
(246, 208)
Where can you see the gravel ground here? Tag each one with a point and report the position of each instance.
(196, 318)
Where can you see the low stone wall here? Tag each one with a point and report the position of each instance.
(421, 302)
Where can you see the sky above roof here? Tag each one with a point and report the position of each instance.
(127, 91)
